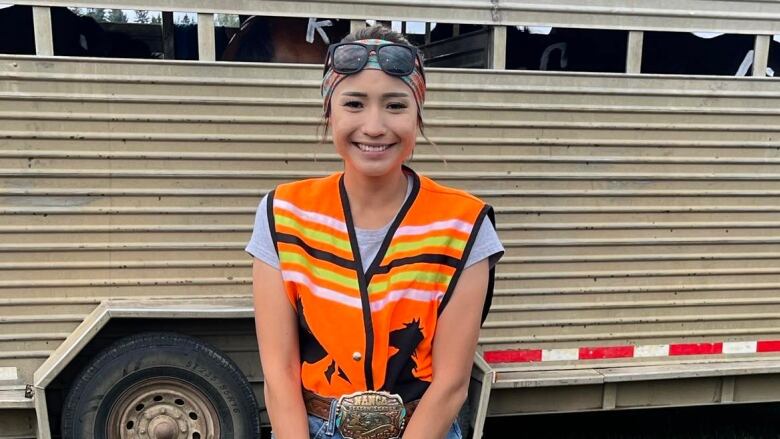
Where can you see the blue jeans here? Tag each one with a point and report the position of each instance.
(322, 429)
(318, 429)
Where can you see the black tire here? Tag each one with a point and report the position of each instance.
(160, 381)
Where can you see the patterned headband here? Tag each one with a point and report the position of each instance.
(415, 80)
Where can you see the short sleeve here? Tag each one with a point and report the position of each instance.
(486, 245)
(261, 245)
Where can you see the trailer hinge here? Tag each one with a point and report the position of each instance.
(28, 391)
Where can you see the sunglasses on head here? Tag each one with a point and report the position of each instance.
(394, 59)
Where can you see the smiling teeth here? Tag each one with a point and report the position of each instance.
(372, 148)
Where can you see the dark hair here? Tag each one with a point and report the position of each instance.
(378, 32)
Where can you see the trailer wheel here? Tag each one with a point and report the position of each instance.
(160, 386)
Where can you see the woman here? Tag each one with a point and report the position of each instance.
(370, 285)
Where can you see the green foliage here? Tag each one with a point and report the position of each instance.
(117, 16)
(99, 14)
(142, 16)
(226, 20)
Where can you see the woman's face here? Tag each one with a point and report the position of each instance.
(374, 122)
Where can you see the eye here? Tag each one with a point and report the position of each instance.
(397, 106)
(353, 104)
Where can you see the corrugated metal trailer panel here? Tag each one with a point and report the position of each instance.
(635, 209)
(17, 424)
(749, 16)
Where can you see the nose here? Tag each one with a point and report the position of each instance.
(373, 124)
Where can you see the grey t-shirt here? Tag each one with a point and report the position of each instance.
(261, 245)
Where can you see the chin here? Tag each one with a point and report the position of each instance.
(375, 171)
(374, 168)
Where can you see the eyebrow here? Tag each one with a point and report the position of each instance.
(384, 96)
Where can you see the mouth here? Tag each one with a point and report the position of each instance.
(373, 147)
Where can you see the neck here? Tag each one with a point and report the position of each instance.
(375, 194)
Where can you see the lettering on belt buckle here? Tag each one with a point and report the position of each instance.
(370, 415)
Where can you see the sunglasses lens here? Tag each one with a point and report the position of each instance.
(349, 58)
(396, 60)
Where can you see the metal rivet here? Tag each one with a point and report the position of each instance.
(357, 356)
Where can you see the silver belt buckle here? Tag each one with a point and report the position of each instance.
(370, 415)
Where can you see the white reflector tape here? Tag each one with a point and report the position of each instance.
(540, 30)
(707, 35)
(739, 347)
(7, 373)
(659, 350)
(560, 354)
(746, 63)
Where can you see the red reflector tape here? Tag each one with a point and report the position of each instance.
(590, 353)
(695, 348)
(514, 356)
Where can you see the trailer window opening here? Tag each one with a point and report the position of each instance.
(185, 35)
(445, 44)
(17, 36)
(281, 39)
(773, 68)
(566, 49)
(112, 33)
(451, 44)
(91, 32)
(305, 40)
(105, 33)
(700, 53)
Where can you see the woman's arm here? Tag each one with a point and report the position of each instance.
(277, 336)
(454, 345)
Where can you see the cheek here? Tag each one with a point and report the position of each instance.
(407, 128)
(340, 126)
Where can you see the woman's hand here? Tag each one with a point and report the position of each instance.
(454, 344)
(277, 336)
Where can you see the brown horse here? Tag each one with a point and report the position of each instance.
(283, 40)
(72, 34)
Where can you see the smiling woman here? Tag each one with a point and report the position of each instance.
(370, 285)
(374, 130)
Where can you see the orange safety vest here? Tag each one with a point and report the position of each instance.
(373, 330)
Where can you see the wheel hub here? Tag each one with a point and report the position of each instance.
(162, 408)
(166, 428)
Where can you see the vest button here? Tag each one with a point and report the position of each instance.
(357, 356)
